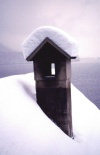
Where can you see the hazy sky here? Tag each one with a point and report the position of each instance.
(79, 18)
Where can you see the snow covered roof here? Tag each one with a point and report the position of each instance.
(59, 37)
(25, 129)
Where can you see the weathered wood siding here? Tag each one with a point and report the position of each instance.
(53, 93)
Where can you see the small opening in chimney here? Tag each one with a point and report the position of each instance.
(53, 72)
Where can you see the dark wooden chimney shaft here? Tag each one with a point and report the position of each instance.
(52, 72)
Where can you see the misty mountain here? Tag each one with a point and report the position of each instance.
(8, 56)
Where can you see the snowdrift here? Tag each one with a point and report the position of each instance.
(25, 129)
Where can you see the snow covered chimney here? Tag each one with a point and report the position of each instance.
(51, 51)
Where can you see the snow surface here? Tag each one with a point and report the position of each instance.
(63, 40)
(25, 129)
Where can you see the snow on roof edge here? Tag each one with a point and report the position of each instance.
(59, 37)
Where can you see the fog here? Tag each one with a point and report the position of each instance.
(79, 18)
